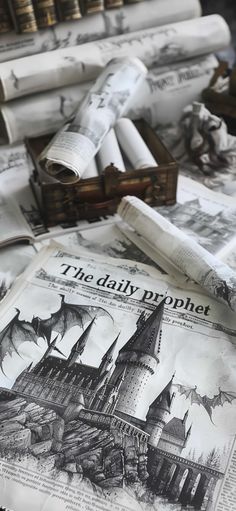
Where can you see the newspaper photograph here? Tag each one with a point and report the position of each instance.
(154, 46)
(70, 151)
(98, 407)
(183, 252)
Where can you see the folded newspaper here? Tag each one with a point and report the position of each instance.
(72, 149)
(98, 407)
(182, 252)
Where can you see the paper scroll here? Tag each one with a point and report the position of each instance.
(91, 170)
(113, 22)
(160, 100)
(71, 150)
(109, 153)
(163, 45)
(133, 144)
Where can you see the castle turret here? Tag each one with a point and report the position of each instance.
(107, 359)
(79, 346)
(140, 358)
(158, 413)
(175, 435)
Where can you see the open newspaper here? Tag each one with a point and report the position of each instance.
(98, 408)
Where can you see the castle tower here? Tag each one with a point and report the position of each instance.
(79, 346)
(140, 358)
(96, 403)
(175, 435)
(112, 398)
(107, 359)
(51, 347)
(158, 414)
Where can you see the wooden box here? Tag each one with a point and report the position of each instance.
(99, 196)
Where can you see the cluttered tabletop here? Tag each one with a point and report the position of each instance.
(117, 255)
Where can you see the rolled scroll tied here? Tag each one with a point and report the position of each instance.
(184, 253)
(71, 150)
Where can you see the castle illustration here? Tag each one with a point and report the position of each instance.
(108, 397)
(119, 391)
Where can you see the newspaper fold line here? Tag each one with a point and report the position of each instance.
(71, 150)
(184, 253)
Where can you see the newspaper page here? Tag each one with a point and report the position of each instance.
(128, 18)
(162, 97)
(184, 253)
(98, 407)
(158, 45)
(13, 261)
(104, 240)
(71, 150)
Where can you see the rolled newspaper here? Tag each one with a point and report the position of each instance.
(167, 44)
(71, 150)
(161, 99)
(184, 253)
(109, 153)
(130, 18)
(133, 144)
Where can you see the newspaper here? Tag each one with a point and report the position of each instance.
(13, 261)
(68, 66)
(105, 24)
(184, 253)
(69, 153)
(98, 408)
(162, 97)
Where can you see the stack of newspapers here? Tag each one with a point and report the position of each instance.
(117, 370)
(117, 335)
(44, 76)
